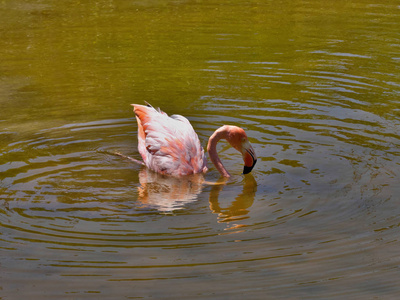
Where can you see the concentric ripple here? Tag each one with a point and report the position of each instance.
(69, 207)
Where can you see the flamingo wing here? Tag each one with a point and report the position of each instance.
(168, 144)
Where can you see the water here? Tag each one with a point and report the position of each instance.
(315, 84)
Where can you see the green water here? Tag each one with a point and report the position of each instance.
(315, 84)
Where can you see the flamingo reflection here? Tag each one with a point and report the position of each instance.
(239, 208)
(167, 193)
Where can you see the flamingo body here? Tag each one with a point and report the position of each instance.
(168, 144)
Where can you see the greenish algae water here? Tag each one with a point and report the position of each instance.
(316, 86)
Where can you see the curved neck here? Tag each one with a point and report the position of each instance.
(212, 151)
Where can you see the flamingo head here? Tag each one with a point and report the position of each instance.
(237, 137)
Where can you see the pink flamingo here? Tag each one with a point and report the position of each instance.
(169, 145)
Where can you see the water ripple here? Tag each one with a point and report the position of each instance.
(315, 85)
(67, 195)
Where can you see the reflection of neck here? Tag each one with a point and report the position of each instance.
(212, 151)
(213, 199)
(239, 208)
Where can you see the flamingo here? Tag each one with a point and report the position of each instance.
(169, 145)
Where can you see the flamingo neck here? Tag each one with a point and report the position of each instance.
(212, 150)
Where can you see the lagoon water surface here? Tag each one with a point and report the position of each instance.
(316, 86)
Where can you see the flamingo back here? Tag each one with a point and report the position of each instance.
(168, 144)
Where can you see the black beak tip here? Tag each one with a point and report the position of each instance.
(247, 170)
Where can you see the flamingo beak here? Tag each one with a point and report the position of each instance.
(249, 157)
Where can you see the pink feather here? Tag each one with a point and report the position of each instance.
(168, 144)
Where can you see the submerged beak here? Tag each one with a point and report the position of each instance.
(249, 157)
